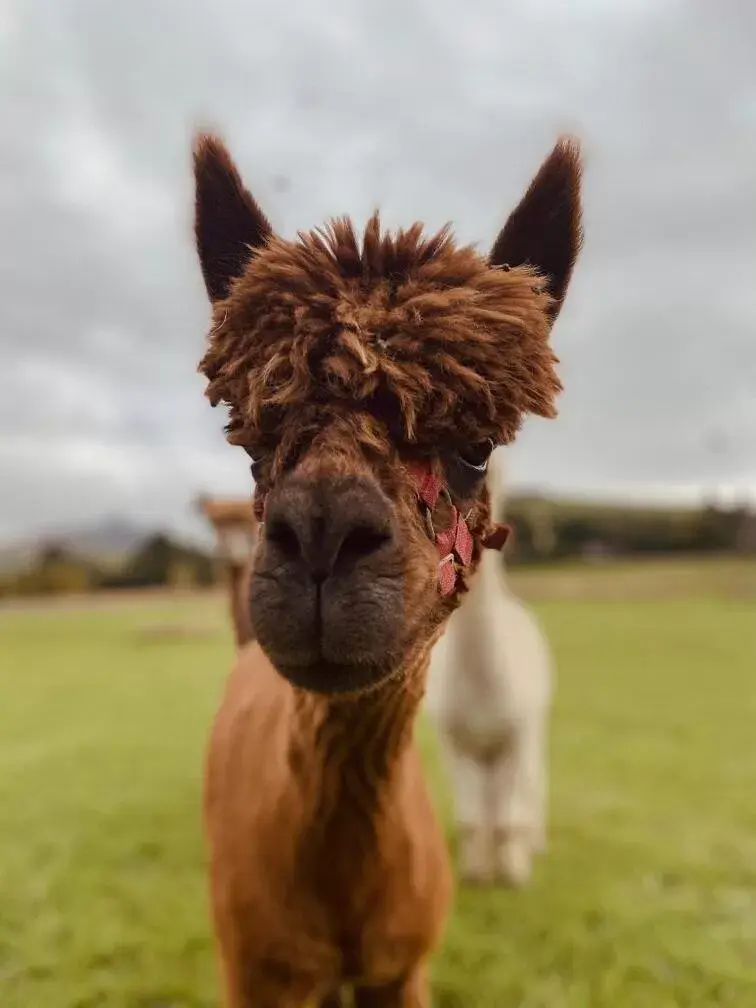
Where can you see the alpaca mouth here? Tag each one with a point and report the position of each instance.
(333, 677)
(328, 637)
(325, 669)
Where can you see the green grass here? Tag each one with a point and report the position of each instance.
(646, 898)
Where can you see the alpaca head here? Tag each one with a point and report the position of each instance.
(368, 379)
(234, 524)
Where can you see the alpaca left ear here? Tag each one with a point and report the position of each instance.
(228, 224)
(545, 229)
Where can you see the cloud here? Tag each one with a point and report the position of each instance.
(427, 110)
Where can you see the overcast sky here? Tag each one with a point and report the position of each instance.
(431, 109)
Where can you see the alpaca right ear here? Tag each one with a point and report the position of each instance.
(545, 229)
(228, 224)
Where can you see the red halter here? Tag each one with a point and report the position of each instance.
(455, 543)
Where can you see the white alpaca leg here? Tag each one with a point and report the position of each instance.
(537, 776)
(517, 795)
(469, 790)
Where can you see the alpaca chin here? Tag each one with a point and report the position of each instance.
(336, 678)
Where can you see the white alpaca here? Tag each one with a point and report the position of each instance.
(489, 694)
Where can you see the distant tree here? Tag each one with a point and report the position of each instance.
(719, 527)
(571, 536)
(543, 532)
(182, 573)
(745, 540)
(150, 563)
(56, 570)
(158, 560)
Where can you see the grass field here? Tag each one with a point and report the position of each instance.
(646, 898)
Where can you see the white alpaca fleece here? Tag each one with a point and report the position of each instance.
(489, 694)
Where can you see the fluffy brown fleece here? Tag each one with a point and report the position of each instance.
(342, 359)
(424, 335)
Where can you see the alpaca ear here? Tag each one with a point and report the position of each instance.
(545, 229)
(228, 223)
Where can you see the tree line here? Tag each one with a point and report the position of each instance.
(158, 561)
(544, 531)
(549, 531)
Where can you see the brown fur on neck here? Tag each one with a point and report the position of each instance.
(348, 822)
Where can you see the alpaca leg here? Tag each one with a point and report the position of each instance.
(468, 781)
(512, 846)
(517, 793)
(412, 991)
(536, 762)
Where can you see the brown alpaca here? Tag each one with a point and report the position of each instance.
(235, 528)
(368, 382)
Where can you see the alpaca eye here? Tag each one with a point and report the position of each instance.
(476, 456)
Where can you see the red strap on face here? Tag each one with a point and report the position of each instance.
(447, 576)
(428, 485)
(456, 539)
(455, 543)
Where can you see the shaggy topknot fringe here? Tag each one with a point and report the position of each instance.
(419, 332)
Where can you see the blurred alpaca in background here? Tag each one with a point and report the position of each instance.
(489, 694)
(235, 527)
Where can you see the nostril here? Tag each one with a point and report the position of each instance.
(323, 528)
(363, 540)
(283, 537)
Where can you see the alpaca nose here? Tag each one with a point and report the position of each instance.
(329, 526)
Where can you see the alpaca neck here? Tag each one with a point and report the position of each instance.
(352, 760)
(359, 739)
